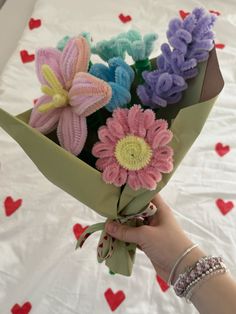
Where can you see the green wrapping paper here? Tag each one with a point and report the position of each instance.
(85, 183)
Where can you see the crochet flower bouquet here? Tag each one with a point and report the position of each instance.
(110, 134)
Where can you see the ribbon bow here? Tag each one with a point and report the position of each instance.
(107, 244)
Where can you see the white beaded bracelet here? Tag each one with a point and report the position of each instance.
(178, 262)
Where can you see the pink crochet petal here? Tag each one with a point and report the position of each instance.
(157, 126)
(162, 153)
(161, 138)
(72, 131)
(149, 118)
(147, 180)
(44, 122)
(102, 150)
(154, 172)
(133, 119)
(102, 163)
(121, 177)
(111, 173)
(133, 180)
(164, 166)
(88, 94)
(121, 115)
(75, 58)
(115, 128)
(105, 135)
(51, 57)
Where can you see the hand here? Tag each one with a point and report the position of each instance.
(162, 240)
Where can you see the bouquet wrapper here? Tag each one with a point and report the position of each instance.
(85, 183)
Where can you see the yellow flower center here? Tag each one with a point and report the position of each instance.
(55, 90)
(133, 153)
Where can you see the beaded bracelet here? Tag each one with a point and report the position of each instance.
(217, 271)
(206, 266)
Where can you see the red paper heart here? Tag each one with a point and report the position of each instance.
(34, 23)
(125, 18)
(24, 309)
(11, 206)
(223, 206)
(114, 299)
(214, 12)
(78, 230)
(220, 46)
(26, 57)
(163, 285)
(222, 149)
(183, 14)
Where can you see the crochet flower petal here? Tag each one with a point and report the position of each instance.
(121, 177)
(74, 59)
(51, 57)
(120, 97)
(147, 180)
(121, 116)
(157, 126)
(102, 150)
(133, 181)
(72, 131)
(111, 173)
(101, 71)
(44, 122)
(103, 163)
(105, 135)
(88, 94)
(115, 128)
(161, 138)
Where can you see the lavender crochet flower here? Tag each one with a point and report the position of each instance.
(190, 41)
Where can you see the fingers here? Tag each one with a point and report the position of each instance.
(163, 214)
(123, 232)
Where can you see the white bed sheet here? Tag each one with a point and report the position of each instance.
(38, 263)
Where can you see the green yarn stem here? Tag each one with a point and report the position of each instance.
(90, 64)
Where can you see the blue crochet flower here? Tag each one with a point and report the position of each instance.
(191, 40)
(119, 76)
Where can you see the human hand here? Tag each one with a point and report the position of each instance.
(162, 240)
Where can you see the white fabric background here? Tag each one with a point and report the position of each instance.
(38, 262)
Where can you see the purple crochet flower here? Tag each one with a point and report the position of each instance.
(191, 40)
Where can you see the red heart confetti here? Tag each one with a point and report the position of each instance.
(214, 12)
(24, 309)
(35, 100)
(11, 206)
(221, 149)
(26, 57)
(34, 23)
(220, 46)
(125, 18)
(78, 230)
(163, 285)
(114, 299)
(223, 206)
(183, 14)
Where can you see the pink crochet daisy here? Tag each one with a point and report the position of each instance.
(133, 148)
(70, 94)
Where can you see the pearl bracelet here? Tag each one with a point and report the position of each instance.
(206, 267)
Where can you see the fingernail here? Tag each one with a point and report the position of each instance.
(112, 227)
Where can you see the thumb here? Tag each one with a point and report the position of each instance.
(123, 232)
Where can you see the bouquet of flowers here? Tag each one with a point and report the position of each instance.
(111, 134)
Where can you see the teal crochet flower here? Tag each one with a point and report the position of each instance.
(140, 48)
(131, 42)
(62, 43)
(119, 76)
